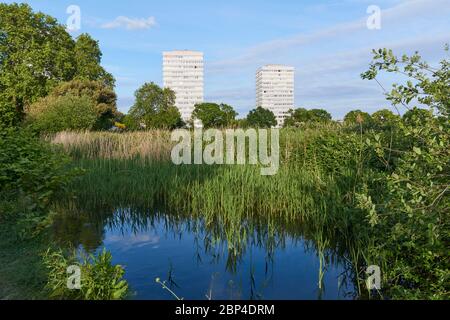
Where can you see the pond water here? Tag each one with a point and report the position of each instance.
(198, 263)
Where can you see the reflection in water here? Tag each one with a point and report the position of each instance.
(206, 260)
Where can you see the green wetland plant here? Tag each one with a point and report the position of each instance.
(347, 187)
(233, 201)
(100, 279)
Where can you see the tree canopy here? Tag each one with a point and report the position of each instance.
(261, 118)
(302, 116)
(155, 107)
(357, 117)
(213, 115)
(103, 97)
(37, 53)
(58, 113)
(88, 57)
(385, 118)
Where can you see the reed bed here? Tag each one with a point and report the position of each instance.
(309, 195)
(234, 204)
(134, 169)
(155, 145)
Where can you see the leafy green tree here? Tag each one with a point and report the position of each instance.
(35, 53)
(68, 112)
(303, 116)
(319, 115)
(297, 117)
(155, 107)
(261, 118)
(357, 117)
(384, 116)
(167, 118)
(103, 97)
(213, 115)
(239, 124)
(88, 58)
(130, 122)
(385, 119)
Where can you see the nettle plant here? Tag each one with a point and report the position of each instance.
(413, 214)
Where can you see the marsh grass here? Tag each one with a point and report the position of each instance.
(314, 184)
(309, 198)
(155, 145)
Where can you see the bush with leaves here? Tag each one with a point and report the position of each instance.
(32, 174)
(100, 279)
(30, 167)
(410, 220)
(103, 97)
(55, 114)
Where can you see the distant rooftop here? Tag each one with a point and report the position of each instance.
(276, 66)
(177, 52)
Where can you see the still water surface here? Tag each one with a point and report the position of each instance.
(200, 264)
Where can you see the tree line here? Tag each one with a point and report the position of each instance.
(51, 82)
(155, 108)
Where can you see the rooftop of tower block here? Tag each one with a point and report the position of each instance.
(183, 52)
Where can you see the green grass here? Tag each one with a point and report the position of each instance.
(22, 274)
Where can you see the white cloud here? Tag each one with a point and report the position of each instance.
(131, 23)
(357, 60)
(407, 11)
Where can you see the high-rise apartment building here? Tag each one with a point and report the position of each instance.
(183, 73)
(275, 90)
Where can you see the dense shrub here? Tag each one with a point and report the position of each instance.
(32, 174)
(410, 219)
(30, 167)
(55, 114)
(100, 279)
(103, 97)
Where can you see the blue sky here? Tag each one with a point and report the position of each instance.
(327, 41)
